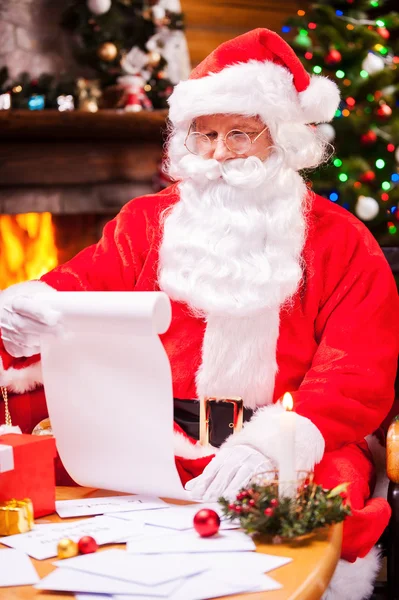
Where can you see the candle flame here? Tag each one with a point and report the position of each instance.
(288, 403)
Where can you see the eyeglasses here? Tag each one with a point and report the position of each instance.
(235, 140)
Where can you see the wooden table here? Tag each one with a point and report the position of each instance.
(305, 578)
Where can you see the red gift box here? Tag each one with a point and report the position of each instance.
(27, 470)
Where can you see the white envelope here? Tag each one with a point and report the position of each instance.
(112, 504)
(189, 541)
(244, 562)
(41, 542)
(16, 569)
(70, 580)
(212, 584)
(144, 570)
(181, 517)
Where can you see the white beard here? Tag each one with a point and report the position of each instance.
(231, 250)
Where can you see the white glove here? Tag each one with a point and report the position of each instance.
(230, 470)
(23, 319)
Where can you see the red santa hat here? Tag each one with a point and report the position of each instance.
(256, 73)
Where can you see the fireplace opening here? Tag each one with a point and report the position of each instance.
(32, 244)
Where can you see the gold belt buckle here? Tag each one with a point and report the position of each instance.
(238, 415)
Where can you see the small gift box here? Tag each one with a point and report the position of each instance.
(27, 470)
(16, 516)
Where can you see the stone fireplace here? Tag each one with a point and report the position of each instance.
(63, 176)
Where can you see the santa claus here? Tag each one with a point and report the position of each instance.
(273, 289)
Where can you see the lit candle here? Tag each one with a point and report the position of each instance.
(286, 466)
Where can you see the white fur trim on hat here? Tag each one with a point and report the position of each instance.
(354, 581)
(262, 432)
(254, 88)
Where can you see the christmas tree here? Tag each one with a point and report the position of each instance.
(353, 42)
(132, 53)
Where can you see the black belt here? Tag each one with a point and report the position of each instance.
(221, 417)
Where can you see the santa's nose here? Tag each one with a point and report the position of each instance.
(221, 151)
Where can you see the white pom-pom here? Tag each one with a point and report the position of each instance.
(320, 100)
(367, 208)
(373, 63)
(99, 7)
(326, 131)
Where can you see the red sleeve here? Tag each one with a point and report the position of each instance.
(349, 388)
(114, 263)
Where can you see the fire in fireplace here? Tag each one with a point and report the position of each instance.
(27, 247)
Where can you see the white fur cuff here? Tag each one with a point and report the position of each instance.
(262, 432)
(354, 581)
(185, 449)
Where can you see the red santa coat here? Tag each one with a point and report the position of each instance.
(336, 351)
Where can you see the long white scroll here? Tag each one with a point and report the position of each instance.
(108, 386)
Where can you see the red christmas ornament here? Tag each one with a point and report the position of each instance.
(268, 512)
(384, 33)
(368, 138)
(274, 502)
(333, 57)
(87, 545)
(367, 176)
(384, 111)
(207, 522)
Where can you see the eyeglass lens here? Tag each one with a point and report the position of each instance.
(236, 141)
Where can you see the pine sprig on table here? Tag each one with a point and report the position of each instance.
(261, 512)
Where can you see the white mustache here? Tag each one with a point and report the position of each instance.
(247, 173)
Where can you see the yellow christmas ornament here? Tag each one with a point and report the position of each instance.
(67, 548)
(107, 52)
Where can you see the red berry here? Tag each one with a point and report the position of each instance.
(238, 509)
(274, 502)
(268, 512)
(232, 506)
(252, 502)
(241, 495)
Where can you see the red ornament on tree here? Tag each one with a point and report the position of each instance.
(367, 176)
(384, 33)
(87, 545)
(368, 138)
(268, 512)
(384, 111)
(206, 522)
(333, 57)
